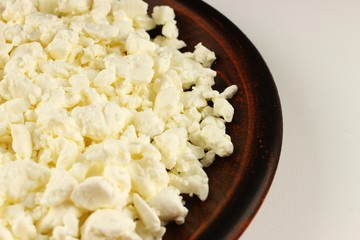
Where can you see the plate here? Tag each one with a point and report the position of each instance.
(239, 183)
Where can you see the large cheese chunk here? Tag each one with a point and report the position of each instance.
(20, 177)
(96, 192)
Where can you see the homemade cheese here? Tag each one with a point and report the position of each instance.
(101, 127)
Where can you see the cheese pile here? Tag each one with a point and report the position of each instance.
(101, 127)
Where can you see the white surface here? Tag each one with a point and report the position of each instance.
(313, 51)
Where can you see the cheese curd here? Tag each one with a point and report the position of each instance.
(102, 128)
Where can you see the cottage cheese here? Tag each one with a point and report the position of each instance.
(101, 127)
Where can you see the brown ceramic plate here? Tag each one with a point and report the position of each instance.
(238, 184)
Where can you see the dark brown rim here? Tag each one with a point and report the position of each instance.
(266, 127)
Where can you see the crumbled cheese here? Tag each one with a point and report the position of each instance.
(169, 205)
(20, 177)
(108, 224)
(56, 216)
(73, 6)
(59, 187)
(148, 123)
(5, 233)
(22, 144)
(23, 226)
(216, 140)
(163, 14)
(147, 214)
(170, 30)
(102, 128)
(222, 108)
(61, 46)
(229, 92)
(95, 193)
(204, 55)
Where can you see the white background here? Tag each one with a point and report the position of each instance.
(312, 48)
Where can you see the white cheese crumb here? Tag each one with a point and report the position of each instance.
(56, 216)
(222, 108)
(20, 177)
(134, 8)
(23, 227)
(163, 15)
(147, 214)
(229, 92)
(5, 233)
(107, 224)
(169, 205)
(59, 188)
(204, 55)
(170, 30)
(217, 140)
(148, 123)
(95, 193)
(22, 143)
(62, 44)
(73, 6)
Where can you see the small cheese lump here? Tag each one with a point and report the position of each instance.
(20, 177)
(95, 193)
(22, 143)
(163, 14)
(103, 128)
(147, 214)
(59, 188)
(109, 224)
(169, 205)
